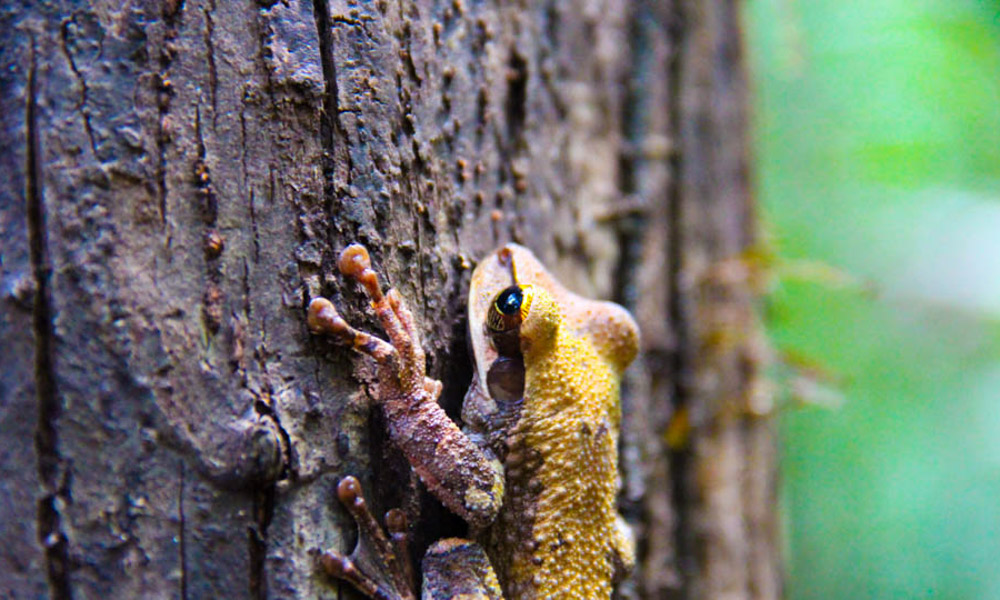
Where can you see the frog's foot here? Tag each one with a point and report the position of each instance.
(403, 353)
(390, 550)
(457, 568)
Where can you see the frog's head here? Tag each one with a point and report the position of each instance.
(522, 317)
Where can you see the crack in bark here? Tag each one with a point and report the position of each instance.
(629, 231)
(254, 228)
(212, 297)
(330, 123)
(84, 90)
(213, 75)
(321, 13)
(263, 511)
(515, 104)
(182, 545)
(50, 471)
(677, 313)
(247, 288)
(163, 91)
(243, 147)
(203, 176)
(264, 500)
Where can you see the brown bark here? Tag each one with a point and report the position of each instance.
(178, 178)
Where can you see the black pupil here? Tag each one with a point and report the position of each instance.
(509, 300)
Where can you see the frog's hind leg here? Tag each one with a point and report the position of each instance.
(457, 568)
(453, 567)
(390, 550)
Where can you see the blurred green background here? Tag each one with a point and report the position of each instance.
(877, 141)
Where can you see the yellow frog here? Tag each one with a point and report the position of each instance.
(534, 471)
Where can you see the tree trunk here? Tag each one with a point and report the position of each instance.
(178, 178)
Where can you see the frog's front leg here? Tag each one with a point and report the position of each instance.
(466, 478)
(463, 476)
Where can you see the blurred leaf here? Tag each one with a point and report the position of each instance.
(877, 138)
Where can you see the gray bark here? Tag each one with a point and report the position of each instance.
(177, 180)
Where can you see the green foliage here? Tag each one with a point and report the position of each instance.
(877, 141)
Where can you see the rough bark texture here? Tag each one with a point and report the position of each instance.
(178, 177)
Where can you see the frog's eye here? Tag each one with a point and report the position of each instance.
(509, 301)
(509, 309)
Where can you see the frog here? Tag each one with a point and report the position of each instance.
(532, 470)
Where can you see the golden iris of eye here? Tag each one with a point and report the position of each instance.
(509, 308)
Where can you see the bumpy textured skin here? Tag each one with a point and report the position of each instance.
(558, 534)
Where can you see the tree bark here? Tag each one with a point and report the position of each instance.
(178, 179)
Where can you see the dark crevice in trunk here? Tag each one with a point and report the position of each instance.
(680, 457)
(630, 231)
(182, 542)
(330, 120)
(213, 73)
(630, 158)
(263, 512)
(84, 90)
(50, 470)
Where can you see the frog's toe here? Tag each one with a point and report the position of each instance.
(356, 263)
(404, 317)
(342, 567)
(323, 319)
(433, 387)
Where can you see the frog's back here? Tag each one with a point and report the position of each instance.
(558, 532)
